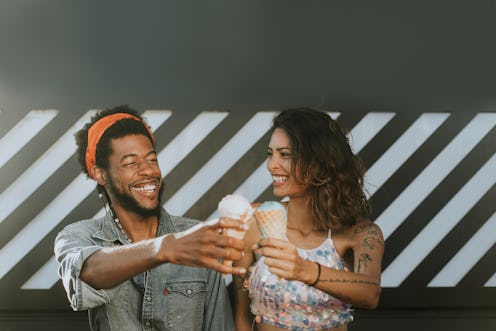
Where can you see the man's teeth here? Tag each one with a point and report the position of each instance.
(279, 179)
(146, 188)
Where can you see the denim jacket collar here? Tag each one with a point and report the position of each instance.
(108, 231)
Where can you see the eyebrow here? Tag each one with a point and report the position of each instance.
(279, 148)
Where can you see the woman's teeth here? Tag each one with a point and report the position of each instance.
(279, 179)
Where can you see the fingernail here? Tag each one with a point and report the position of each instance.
(246, 226)
(242, 271)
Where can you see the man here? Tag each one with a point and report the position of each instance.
(139, 268)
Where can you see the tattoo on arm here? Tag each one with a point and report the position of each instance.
(363, 262)
(350, 281)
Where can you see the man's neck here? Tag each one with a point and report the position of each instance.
(136, 226)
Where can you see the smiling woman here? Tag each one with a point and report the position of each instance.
(328, 256)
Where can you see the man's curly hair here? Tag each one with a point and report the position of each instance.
(322, 159)
(119, 129)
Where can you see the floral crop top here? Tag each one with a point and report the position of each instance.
(294, 305)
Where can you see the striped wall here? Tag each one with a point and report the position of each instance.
(430, 177)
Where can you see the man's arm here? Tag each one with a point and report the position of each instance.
(200, 246)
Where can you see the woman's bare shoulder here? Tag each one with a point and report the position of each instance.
(364, 225)
(365, 231)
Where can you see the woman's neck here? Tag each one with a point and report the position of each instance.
(300, 215)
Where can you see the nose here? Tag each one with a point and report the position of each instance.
(145, 168)
(272, 163)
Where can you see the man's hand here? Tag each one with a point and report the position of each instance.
(205, 245)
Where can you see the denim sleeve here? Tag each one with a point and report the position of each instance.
(218, 313)
(71, 250)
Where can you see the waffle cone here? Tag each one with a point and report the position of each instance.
(271, 222)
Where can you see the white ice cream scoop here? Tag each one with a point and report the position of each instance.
(237, 207)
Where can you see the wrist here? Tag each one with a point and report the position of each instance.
(163, 249)
(316, 278)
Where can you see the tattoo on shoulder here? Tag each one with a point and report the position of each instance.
(350, 281)
(370, 228)
(372, 242)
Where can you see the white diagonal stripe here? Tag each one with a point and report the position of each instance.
(44, 222)
(435, 172)
(44, 278)
(401, 150)
(220, 163)
(23, 132)
(367, 128)
(52, 215)
(252, 187)
(188, 139)
(155, 118)
(42, 168)
(468, 256)
(440, 225)
(491, 282)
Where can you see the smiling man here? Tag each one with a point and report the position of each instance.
(139, 268)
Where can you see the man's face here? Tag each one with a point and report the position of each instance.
(134, 177)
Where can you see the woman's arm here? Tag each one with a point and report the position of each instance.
(360, 287)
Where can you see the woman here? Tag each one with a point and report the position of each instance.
(330, 258)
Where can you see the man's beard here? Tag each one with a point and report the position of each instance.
(130, 204)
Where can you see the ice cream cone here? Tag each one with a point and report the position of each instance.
(271, 220)
(237, 207)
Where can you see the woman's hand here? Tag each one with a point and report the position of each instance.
(283, 260)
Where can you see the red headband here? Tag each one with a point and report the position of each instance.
(96, 131)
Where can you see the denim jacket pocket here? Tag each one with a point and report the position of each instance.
(185, 301)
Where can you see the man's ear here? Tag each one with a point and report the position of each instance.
(99, 175)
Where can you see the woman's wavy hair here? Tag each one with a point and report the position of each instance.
(323, 160)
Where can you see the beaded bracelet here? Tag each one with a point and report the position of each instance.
(318, 275)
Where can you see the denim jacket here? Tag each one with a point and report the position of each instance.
(167, 297)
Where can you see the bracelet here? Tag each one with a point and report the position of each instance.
(318, 275)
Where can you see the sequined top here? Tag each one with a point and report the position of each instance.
(294, 305)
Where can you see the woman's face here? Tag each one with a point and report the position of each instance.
(279, 164)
